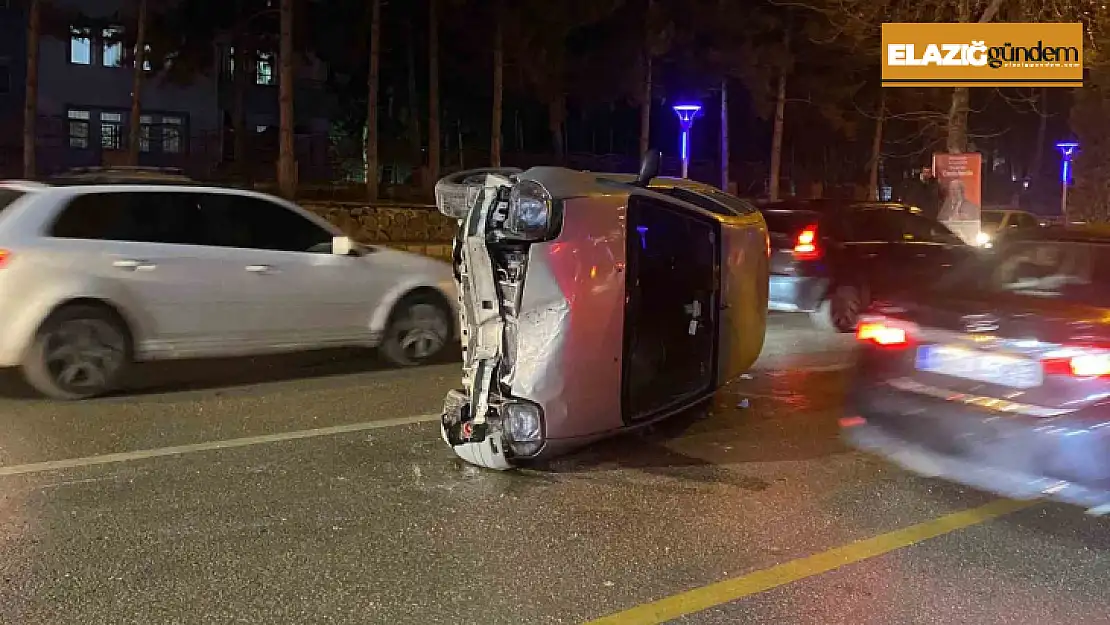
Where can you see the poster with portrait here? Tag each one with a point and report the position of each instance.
(960, 177)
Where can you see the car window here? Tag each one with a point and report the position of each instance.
(255, 223)
(139, 216)
(1040, 269)
(8, 197)
(991, 219)
(919, 229)
(870, 225)
(789, 222)
(1026, 221)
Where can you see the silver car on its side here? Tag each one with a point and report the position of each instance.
(591, 305)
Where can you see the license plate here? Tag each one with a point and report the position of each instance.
(968, 364)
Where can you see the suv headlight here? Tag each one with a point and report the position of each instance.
(530, 212)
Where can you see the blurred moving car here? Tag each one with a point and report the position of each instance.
(996, 224)
(590, 306)
(100, 269)
(830, 258)
(997, 377)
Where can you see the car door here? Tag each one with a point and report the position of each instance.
(302, 295)
(925, 248)
(865, 237)
(145, 249)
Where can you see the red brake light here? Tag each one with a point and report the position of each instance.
(882, 334)
(5, 256)
(1087, 365)
(805, 247)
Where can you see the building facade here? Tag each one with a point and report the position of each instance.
(84, 102)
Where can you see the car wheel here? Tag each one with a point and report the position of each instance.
(418, 330)
(79, 352)
(840, 312)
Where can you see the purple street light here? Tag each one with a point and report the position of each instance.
(686, 114)
(1067, 152)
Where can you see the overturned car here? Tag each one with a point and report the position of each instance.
(594, 303)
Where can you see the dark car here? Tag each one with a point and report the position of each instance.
(997, 376)
(830, 258)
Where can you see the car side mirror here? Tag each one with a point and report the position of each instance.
(342, 246)
(649, 168)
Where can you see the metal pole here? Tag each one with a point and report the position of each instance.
(1064, 201)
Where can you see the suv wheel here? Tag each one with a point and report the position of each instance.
(418, 330)
(79, 352)
(841, 311)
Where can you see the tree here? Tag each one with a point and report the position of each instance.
(1089, 199)
(434, 138)
(498, 84)
(133, 129)
(31, 98)
(372, 101)
(540, 50)
(287, 165)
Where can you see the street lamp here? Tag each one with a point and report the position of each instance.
(1067, 151)
(686, 114)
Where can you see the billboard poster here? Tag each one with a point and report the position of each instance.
(960, 177)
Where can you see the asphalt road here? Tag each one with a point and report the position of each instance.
(314, 489)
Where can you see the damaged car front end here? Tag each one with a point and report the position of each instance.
(564, 339)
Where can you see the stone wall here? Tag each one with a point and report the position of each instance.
(388, 223)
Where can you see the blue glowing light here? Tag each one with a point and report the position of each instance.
(684, 149)
(1067, 151)
(686, 112)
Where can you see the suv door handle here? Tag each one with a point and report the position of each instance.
(259, 268)
(134, 264)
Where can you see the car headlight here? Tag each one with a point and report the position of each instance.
(982, 239)
(530, 211)
(522, 424)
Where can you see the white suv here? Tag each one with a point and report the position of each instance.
(94, 277)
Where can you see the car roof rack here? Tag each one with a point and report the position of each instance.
(121, 175)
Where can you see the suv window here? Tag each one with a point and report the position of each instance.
(918, 229)
(870, 225)
(255, 223)
(141, 216)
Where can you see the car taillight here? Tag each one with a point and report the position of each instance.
(1082, 364)
(881, 333)
(805, 247)
(5, 256)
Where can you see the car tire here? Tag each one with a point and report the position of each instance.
(80, 351)
(418, 330)
(839, 312)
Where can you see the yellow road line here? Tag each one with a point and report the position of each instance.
(730, 590)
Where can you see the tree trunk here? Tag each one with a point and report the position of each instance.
(776, 139)
(724, 136)
(133, 129)
(498, 88)
(1042, 132)
(645, 105)
(239, 106)
(556, 115)
(287, 164)
(957, 120)
(877, 148)
(372, 101)
(434, 139)
(31, 100)
(416, 140)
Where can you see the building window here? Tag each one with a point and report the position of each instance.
(79, 129)
(172, 134)
(144, 132)
(265, 75)
(80, 46)
(111, 131)
(146, 58)
(112, 46)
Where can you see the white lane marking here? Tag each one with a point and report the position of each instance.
(142, 454)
